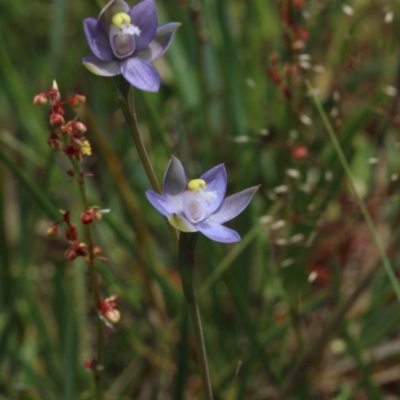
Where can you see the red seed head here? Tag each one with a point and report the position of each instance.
(89, 364)
(56, 119)
(74, 128)
(77, 100)
(52, 232)
(274, 75)
(97, 251)
(55, 142)
(81, 249)
(72, 151)
(299, 4)
(112, 315)
(97, 214)
(40, 99)
(72, 232)
(78, 128)
(108, 308)
(300, 152)
(87, 217)
(70, 254)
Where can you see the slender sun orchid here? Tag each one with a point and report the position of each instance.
(125, 40)
(200, 204)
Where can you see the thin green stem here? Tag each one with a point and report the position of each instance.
(187, 264)
(94, 281)
(371, 227)
(128, 108)
(201, 350)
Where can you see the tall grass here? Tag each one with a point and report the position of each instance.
(302, 303)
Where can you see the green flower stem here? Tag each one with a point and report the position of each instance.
(128, 108)
(94, 281)
(187, 264)
(361, 205)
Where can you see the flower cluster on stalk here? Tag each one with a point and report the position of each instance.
(66, 136)
(77, 248)
(109, 311)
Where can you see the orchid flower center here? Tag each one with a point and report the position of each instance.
(196, 184)
(122, 35)
(123, 21)
(196, 200)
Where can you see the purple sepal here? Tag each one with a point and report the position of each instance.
(233, 205)
(99, 67)
(216, 181)
(159, 45)
(97, 39)
(140, 74)
(160, 203)
(218, 232)
(175, 182)
(144, 16)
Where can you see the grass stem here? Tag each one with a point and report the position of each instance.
(187, 264)
(360, 202)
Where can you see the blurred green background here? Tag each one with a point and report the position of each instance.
(233, 90)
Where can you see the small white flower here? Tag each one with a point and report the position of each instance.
(391, 91)
(305, 119)
(266, 219)
(347, 10)
(312, 277)
(278, 224)
(389, 17)
(281, 189)
(286, 263)
(373, 161)
(293, 173)
(296, 238)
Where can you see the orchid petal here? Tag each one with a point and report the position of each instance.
(216, 181)
(218, 232)
(97, 39)
(233, 205)
(161, 204)
(181, 223)
(99, 67)
(162, 40)
(175, 182)
(141, 74)
(144, 16)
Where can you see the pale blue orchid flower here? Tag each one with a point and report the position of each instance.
(200, 204)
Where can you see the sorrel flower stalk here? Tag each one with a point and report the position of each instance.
(196, 206)
(125, 40)
(67, 137)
